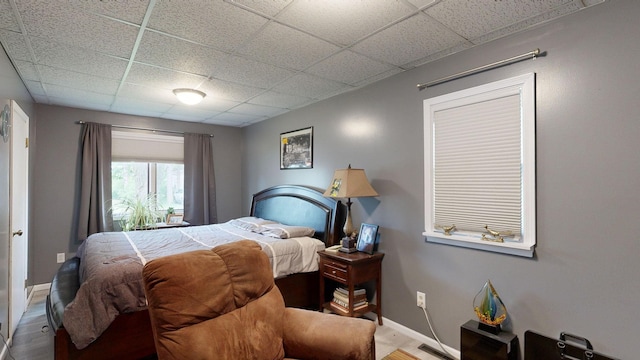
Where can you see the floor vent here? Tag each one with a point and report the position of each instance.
(434, 352)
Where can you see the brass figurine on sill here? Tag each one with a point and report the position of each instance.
(497, 236)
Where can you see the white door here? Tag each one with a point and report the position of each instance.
(19, 217)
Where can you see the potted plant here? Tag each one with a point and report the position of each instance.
(139, 213)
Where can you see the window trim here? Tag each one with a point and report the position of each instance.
(525, 86)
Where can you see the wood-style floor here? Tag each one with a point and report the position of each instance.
(34, 341)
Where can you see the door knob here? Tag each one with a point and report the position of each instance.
(19, 233)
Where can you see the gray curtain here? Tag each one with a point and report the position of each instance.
(199, 181)
(95, 184)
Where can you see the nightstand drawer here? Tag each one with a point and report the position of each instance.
(335, 271)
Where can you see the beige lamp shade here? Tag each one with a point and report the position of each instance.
(349, 183)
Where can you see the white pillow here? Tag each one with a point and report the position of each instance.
(250, 223)
(281, 231)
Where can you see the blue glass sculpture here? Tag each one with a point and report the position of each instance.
(489, 308)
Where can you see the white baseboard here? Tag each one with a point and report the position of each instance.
(418, 336)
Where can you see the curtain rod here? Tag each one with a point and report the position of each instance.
(144, 129)
(531, 54)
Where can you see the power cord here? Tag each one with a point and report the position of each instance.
(426, 315)
(7, 347)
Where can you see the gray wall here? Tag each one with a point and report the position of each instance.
(584, 277)
(56, 179)
(11, 87)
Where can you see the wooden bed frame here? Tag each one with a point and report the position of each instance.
(130, 335)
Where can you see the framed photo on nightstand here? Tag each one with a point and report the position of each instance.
(367, 238)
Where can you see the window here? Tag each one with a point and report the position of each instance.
(148, 165)
(480, 167)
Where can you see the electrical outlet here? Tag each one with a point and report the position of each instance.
(60, 258)
(421, 299)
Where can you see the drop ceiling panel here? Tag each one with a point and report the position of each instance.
(218, 89)
(409, 40)
(249, 72)
(286, 47)
(473, 19)
(73, 80)
(27, 70)
(172, 53)
(283, 100)
(211, 22)
(258, 110)
(62, 56)
(343, 22)
(131, 11)
(349, 67)
(56, 93)
(7, 19)
(268, 8)
(152, 76)
(61, 22)
(15, 45)
(309, 86)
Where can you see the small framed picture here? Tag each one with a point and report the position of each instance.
(174, 219)
(367, 238)
(296, 149)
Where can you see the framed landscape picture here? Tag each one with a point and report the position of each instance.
(296, 149)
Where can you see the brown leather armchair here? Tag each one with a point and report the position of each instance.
(223, 304)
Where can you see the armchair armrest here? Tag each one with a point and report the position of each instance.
(315, 335)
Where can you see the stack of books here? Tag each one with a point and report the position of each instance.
(340, 302)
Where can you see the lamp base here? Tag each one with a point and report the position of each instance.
(348, 245)
(347, 250)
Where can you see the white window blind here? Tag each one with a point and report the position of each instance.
(132, 146)
(477, 178)
(480, 167)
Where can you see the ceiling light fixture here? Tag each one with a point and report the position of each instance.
(189, 96)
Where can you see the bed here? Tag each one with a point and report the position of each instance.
(128, 334)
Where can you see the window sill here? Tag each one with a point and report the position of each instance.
(511, 248)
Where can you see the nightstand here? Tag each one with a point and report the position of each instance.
(350, 270)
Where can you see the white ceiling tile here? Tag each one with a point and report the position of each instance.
(136, 110)
(194, 112)
(257, 110)
(343, 22)
(166, 51)
(27, 70)
(70, 94)
(15, 45)
(122, 102)
(272, 98)
(377, 77)
(77, 103)
(73, 80)
(286, 47)
(35, 88)
(151, 94)
(348, 67)
(217, 89)
(237, 118)
(269, 8)
(7, 18)
(61, 22)
(132, 11)
(472, 19)
(214, 104)
(408, 41)
(51, 53)
(250, 72)
(152, 76)
(309, 86)
(518, 26)
(211, 22)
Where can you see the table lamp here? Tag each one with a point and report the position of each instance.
(349, 183)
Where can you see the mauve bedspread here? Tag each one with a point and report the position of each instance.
(111, 269)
